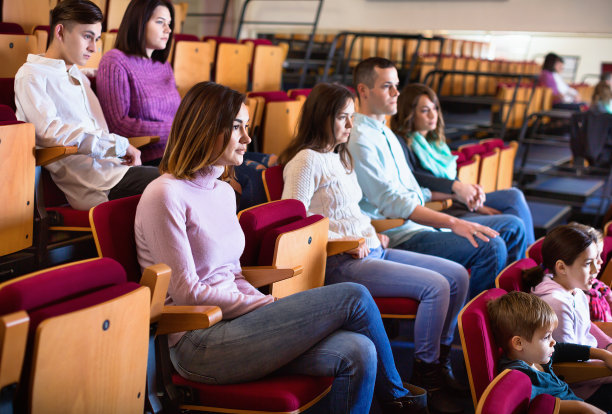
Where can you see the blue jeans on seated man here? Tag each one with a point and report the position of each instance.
(330, 331)
(484, 261)
(438, 284)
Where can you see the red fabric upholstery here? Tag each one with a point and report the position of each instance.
(11, 122)
(78, 303)
(7, 92)
(511, 394)
(179, 37)
(7, 114)
(61, 284)
(256, 222)
(397, 306)
(535, 251)
(294, 93)
(10, 28)
(460, 157)
(114, 227)
(511, 277)
(274, 393)
(55, 201)
(274, 182)
(268, 242)
(480, 349)
(273, 96)
(257, 42)
(220, 39)
(542, 404)
(70, 217)
(494, 143)
(471, 150)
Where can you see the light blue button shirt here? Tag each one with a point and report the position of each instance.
(389, 187)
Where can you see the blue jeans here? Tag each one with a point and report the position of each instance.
(512, 201)
(484, 262)
(330, 331)
(438, 284)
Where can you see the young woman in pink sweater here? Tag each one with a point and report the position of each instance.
(135, 83)
(186, 219)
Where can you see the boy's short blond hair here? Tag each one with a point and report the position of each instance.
(519, 314)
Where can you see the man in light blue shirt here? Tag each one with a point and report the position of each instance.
(483, 244)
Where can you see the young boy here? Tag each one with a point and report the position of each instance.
(54, 95)
(523, 324)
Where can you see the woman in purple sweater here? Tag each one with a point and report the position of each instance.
(186, 219)
(135, 83)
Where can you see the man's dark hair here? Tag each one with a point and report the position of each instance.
(364, 71)
(132, 34)
(74, 11)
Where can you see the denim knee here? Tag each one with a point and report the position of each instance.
(360, 355)
(355, 291)
(496, 251)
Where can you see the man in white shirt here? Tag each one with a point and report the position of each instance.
(54, 95)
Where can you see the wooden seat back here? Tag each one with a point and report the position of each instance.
(232, 66)
(14, 50)
(267, 68)
(192, 64)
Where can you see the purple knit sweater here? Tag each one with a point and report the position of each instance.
(138, 97)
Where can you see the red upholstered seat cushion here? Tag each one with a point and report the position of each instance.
(299, 92)
(60, 284)
(10, 28)
(7, 92)
(460, 157)
(221, 39)
(511, 278)
(114, 223)
(257, 42)
(78, 303)
(71, 217)
(179, 37)
(256, 221)
(480, 347)
(397, 306)
(541, 404)
(282, 393)
(7, 114)
(274, 182)
(490, 145)
(511, 394)
(273, 96)
(535, 251)
(471, 150)
(268, 242)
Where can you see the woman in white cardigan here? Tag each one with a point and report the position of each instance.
(319, 173)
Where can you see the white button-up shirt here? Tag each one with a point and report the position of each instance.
(65, 112)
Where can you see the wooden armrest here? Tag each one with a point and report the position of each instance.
(13, 338)
(386, 224)
(343, 245)
(45, 156)
(187, 318)
(157, 279)
(581, 371)
(264, 275)
(606, 327)
(141, 141)
(440, 204)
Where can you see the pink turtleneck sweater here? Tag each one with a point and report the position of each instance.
(139, 97)
(192, 227)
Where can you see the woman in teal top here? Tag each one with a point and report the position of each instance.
(419, 126)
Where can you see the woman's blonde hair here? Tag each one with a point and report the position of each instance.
(207, 112)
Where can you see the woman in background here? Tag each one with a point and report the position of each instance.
(135, 82)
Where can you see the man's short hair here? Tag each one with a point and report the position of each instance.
(74, 11)
(518, 314)
(364, 71)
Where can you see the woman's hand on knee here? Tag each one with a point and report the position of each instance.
(471, 230)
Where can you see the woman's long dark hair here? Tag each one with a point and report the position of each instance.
(550, 61)
(562, 243)
(132, 37)
(316, 126)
